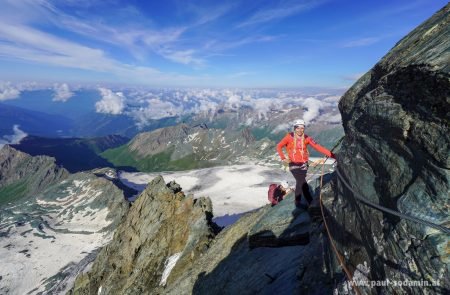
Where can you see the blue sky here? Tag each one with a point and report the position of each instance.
(202, 43)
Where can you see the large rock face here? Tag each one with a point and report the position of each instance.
(396, 154)
(22, 174)
(162, 223)
(237, 264)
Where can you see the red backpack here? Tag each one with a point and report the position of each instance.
(274, 196)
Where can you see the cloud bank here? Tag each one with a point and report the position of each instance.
(14, 138)
(8, 91)
(62, 92)
(145, 106)
(111, 103)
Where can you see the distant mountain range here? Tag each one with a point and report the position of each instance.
(206, 139)
(222, 139)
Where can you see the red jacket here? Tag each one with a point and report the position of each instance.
(300, 154)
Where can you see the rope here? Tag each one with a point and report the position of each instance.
(339, 256)
(390, 211)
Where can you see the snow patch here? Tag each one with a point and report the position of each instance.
(169, 265)
(232, 189)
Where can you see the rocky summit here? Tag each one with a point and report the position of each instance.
(162, 224)
(396, 154)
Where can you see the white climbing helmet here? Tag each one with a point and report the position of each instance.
(284, 184)
(298, 123)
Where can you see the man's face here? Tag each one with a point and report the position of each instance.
(299, 130)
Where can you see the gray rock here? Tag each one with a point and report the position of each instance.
(230, 266)
(23, 175)
(396, 154)
(282, 225)
(160, 224)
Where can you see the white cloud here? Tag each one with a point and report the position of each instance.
(14, 138)
(332, 118)
(184, 57)
(282, 127)
(19, 40)
(333, 98)
(263, 106)
(111, 103)
(156, 109)
(254, 105)
(62, 92)
(137, 38)
(8, 91)
(218, 46)
(313, 107)
(234, 101)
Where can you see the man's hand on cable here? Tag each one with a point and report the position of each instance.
(287, 161)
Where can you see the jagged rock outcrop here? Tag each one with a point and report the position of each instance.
(237, 263)
(396, 154)
(22, 174)
(163, 222)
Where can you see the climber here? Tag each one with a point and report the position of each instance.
(296, 146)
(277, 192)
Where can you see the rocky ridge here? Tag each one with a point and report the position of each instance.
(182, 147)
(22, 174)
(162, 223)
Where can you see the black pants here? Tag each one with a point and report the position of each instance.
(301, 186)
